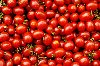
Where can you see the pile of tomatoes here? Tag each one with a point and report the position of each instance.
(49, 33)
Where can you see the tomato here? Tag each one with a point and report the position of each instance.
(23, 3)
(6, 10)
(33, 59)
(74, 17)
(59, 2)
(72, 8)
(35, 4)
(62, 8)
(11, 3)
(81, 26)
(18, 10)
(67, 62)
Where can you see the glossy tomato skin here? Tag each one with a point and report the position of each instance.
(48, 3)
(41, 24)
(47, 39)
(9, 63)
(95, 63)
(96, 24)
(38, 49)
(18, 10)
(81, 8)
(20, 29)
(91, 6)
(67, 62)
(55, 44)
(81, 26)
(6, 45)
(51, 63)
(18, 19)
(23, 3)
(1, 53)
(75, 64)
(11, 29)
(59, 60)
(33, 59)
(68, 54)
(11, 3)
(35, 4)
(69, 45)
(59, 52)
(74, 17)
(68, 28)
(2, 62)
(25, 62)
(40, 14)
(7, 19)
(49, 53)
(27, 37)
(62, 8)
(84, 16)
(59, 2)
(53, 22)
(72, 8)
(4, 36)
(38, 34)
(89, 45)
(54, 6)
(83, 60)
(62, 21)
(79, 41)
(3, 27)
(6, 10)
(50, 13)
(77, 55)
(89, 26)
(17, 58)
(16, 43)
(7, 55)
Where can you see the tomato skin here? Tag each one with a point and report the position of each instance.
(6, 10)
(89, 26)
(75, 64)
(96, 45)
(38, 34)
(20, 29)
(18, 10)
(27, 37)
(18, 19)
(59, 60)
(69, 36)
(47, 39)
(50, 13)
(85, 1)
(33, 23)
(91, 6)
(62, 8)
(59, 52)
(54, 6)
(85, 59)
(96, 63)
(59, 2)
(7, 55)
(74, 17)
(49, 53)
(81, 26)
(33, 59)
(11, 29)
(77, 55)
(4, 36)
(25, 62)
(69, 45)
(2, 27)
(67, 1)
(40, 14)
(89, 45)
(67, 15)
(48, 3)
(35, 4)
(96, 24)
(9, 63)
(6, 45)
(16, 43)
(67, 62)
(76, 1)
(2, 62)
(23, 3)
(68, 54)
(1, 53)
(17, 58)
(72, 8)
(84, 34)
(68, 28)
(79, 41)
(42, 61)
(81, 8)
(26, 51)
(7, 19)
(41, 24)
(38, 49)
(11, 3)
(53, 22)
(84, 16)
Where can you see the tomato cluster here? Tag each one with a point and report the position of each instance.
(49, 33)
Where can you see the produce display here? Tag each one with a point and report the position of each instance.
(50, 33)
